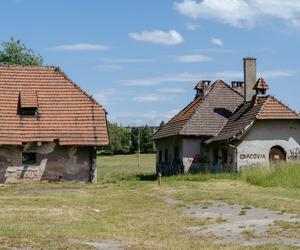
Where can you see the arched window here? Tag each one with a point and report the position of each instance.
(277, 153)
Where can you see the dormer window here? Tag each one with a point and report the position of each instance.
(28, 105)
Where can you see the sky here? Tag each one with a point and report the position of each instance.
(141, 59)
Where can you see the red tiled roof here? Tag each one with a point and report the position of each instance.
(261, 84)
(204, 116)
(260, 108)
(65, 112)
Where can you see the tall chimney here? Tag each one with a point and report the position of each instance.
(249, 78)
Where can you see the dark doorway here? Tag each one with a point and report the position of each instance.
(277, 154)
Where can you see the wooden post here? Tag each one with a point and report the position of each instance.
(159, 178)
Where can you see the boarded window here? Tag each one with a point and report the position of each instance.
(160, 156)
(166, 155)
(28, 158)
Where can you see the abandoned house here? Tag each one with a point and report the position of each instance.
(49, 127)
(227, 128)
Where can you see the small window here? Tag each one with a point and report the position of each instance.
(28, 111)
(166, 155)
(160, 156)
(28, 158)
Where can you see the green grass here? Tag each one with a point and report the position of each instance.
(112, 169)
(282, 175)
(123, 208)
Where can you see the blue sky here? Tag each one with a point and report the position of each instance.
(141, 59)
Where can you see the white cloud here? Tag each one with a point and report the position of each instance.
(234, 12)
(109, 67)
(276, 73)
(126, 60)
(217, 41)
(149, 98)
(193, 58)
(189, 77)
(106, 96)
(193, 26)
(241, 13)
(81, 47)
(172, 90)
(171, 37)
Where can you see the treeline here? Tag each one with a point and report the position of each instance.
(129, 140)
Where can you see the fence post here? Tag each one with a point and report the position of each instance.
(159, 178)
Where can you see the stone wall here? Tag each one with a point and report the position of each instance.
(53, 163)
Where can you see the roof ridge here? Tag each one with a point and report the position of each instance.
(262, 107)
(213, 86)
(228, 86)
(46, 67)
(80, 89)
(286, 106)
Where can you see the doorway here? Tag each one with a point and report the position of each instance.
(277, 154)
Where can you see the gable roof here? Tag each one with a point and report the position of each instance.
(65, 112)
(260, 108)
(205, 115)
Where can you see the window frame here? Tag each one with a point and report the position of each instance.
(32, 158)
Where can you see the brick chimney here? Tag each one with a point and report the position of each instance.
(202, 88)
(249, 78)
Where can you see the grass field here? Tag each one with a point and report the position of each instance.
(125, 210)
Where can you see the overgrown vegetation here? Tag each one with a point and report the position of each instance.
(280, 175)
(120, 168)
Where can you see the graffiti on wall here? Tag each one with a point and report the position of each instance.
(253, 156)
(294, 154)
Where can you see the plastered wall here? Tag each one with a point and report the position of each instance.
(256, 144)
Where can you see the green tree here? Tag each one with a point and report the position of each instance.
(15, 52)
(134, 135)
(147, 145)
(162, 123)
(119, 139)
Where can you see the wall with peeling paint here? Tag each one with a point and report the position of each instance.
(53, 163)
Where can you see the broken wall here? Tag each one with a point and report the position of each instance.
(53, 163)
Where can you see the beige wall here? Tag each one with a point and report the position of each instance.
(54, 163)
(256, 144)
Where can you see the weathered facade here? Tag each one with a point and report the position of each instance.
(49, 127)
(227, 128)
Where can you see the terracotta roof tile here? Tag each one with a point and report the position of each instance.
(65, 112)
(260, 108)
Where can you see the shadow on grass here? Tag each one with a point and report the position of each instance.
(146, 177)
